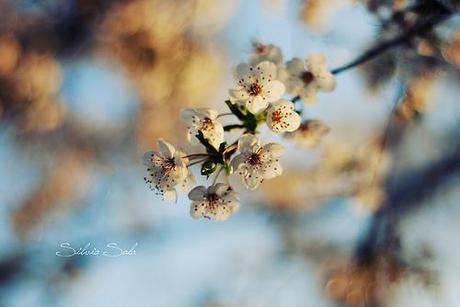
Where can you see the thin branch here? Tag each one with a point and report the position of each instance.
(196, 162)
(233, 127)
(224, 114)
(422, 28)
(194, 156)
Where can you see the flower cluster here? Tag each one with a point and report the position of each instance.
(259, 97)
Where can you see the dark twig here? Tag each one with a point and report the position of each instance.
(422, 28)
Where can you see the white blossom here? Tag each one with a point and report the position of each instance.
(257, 86)
(310, 133)
(306, 78)
(265, 52)
(167, 171)
(281, 116)
(216, 202)
(256, 162)
(204, 120)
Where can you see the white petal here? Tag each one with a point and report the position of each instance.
(253, 179)
(308, 93)
(293, 85)
(293, 122)
(283, 102)
(270, 53)
(224, 211)
(265, 71)
(316, 62)
(208, 112)
(219, 189)
(295, 66)
(186, 183)
(170, 196)
(230, 195)
(273, 90)
(274, 54)
(282, 74)
(256, 104)
(248, 143)
(237, 162)
(239, 94)
(198, 209)
(190, 135)
(244, 74)
(274, 150)
(181, 163)
(188, 114)
(326, 81)
(215, 135)
(166, 149)
(147, 158)
(198, 193)
(273, 170)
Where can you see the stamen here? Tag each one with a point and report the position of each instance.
(254, 89)
(254, 159)
(276, 116)
(206, 124)
(307, 77)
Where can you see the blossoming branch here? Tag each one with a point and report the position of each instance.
(267, 92)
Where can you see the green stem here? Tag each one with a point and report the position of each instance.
(232, 127)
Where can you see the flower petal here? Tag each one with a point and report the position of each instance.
(186, 183)
(273, 170)
(295, 67)
(198, 193)
(273, 149)
(169, 195)
(326, 81)
(208, 112)
(265, 71)
(273, 90)
(239, 94)
(253, 179)
(147, 158)
(248, 143)
(237, 162)
(244, 74)
(223, 211)
(188, 114)
(219, 189)
(293, 122)
(315, 62)
(308, 93)
(256, 104)
(166, 149)
(283, 102)
(198, 209)
(215, 135)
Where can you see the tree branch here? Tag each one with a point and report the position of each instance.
(423, 27)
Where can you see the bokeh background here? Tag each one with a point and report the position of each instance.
(370, 217)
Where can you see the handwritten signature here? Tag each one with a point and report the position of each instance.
(110, 250)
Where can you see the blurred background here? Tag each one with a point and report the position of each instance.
(366, 217)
